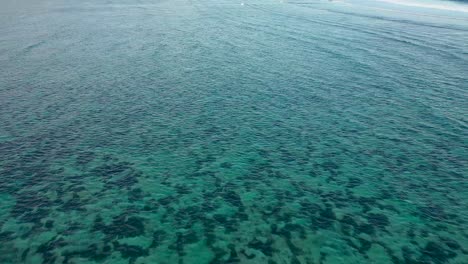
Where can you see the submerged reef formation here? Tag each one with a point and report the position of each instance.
(209, 132)
(264, 207)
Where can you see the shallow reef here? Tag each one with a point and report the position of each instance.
(209, 132)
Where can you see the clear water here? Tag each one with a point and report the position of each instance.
(205, 131)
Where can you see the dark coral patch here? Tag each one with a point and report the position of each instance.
(435, 212)
(452, 244)
(47, 249)
(135, 194)
(35, 216)
(49, 224)
(122, 226)
(6, 236)
(31, 207)
(182, 189)
(120, 174)
(158, 238)
(353, 182)
(265, 247)
(166, 200)
(93, 252)
(74, 203)
(436, 253)
(247, 255)
(365, 228)
(226, 165)
(219, 256)
(325, 218)
(179, 244)
(330, 166)
(365, 245)
(378, 220)
(232, 197)
(233, 256)
(230, 224)
(130, 252)
(85, 157)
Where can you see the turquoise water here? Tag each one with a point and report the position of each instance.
(205, 131)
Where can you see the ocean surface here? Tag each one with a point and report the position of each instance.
(233, 131)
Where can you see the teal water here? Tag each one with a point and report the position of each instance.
(202, 131)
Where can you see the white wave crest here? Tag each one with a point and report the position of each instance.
(433, 5)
